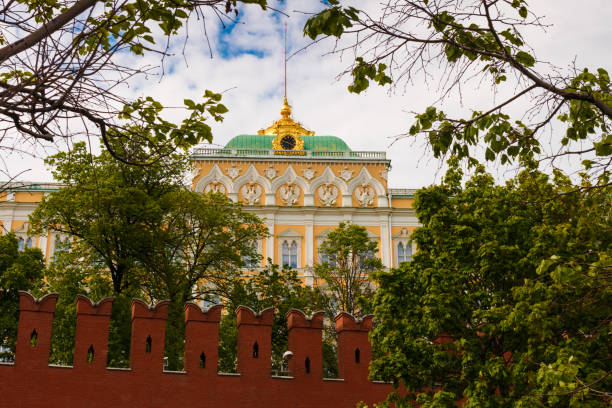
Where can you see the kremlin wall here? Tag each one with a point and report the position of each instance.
(31, 382)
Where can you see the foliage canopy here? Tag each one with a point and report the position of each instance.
(349, 258)
(508, 301)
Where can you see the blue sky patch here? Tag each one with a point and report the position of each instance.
(228, 49)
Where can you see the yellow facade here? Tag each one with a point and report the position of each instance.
(302, 185)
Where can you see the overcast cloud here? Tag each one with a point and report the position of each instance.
(247, 64)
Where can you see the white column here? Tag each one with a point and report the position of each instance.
(7, 227)
(42, 244)
(270, 250)
(309, 223)
(385, 241)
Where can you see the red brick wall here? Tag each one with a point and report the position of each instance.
(31, 382)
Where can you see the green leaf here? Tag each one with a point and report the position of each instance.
(525, 59)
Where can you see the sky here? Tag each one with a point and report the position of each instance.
(247, 67)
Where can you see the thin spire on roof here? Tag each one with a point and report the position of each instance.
(286, 125)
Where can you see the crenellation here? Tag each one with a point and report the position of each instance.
(34, 330)
(202, 339)
(254, 341)
(92, 328)
(354, 348)
(90, 383)
(148, 335)
(306, 344)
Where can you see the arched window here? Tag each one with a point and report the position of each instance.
(400, 252)
(404, 252)
(408, 253)
(20, 244)
(56, 246)
(285, 252)
(29, 243)
(293, 255)
(289, 252)
(323, 256)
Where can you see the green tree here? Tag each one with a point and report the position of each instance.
(508, 301)
(19, 270)
(153, 236)
(349, 260)
(484, 41)
(279, 288)
(106, 206)
(196, 252)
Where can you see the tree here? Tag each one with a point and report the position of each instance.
(279, 288)
(61, 67)
(350, 261)
(19, 270)
(483, 41)
(196, 252)
(508, 300)
(106, 205)
(153, 236)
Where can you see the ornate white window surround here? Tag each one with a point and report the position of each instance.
(290, 248)
(23, 239)
(402, 248)
(251, 176)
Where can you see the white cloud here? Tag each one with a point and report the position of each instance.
(253, 86)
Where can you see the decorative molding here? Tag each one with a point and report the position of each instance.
(23, 228)
(251, 193)
(233, 172)
(252, 176)
(346, 174)
(195, 172)
(271, 173)
(328, 193)
(214, 176)
(328, 177)
(309, 173)
(10, 196)
(291, 177)
(215, 188)
(289, 233)
(402, 234)
(384, 174)
(365, 195)
(290, 193)
(323, 234)
(358, 186)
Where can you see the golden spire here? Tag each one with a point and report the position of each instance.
(286, 125)
(285, 63)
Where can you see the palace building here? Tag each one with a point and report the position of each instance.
(300, 183)
(303, 184)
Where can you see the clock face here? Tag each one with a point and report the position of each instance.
(287, 142)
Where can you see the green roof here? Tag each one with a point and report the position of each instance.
(314, 143)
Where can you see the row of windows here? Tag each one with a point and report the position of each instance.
(29, 243)
(289, 254)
